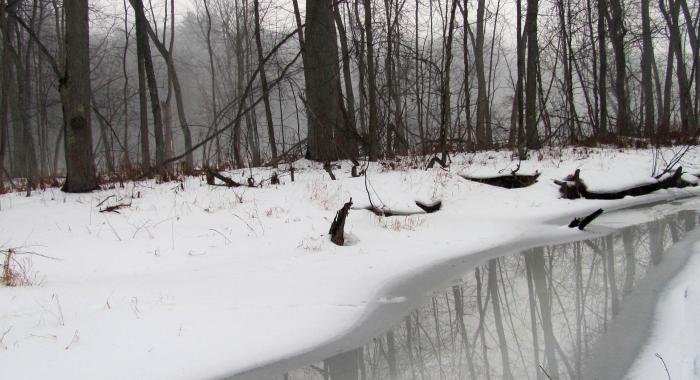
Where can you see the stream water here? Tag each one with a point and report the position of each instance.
(578, 310)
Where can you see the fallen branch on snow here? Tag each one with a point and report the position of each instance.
(428, 208)
(574, 188)
(116, 207)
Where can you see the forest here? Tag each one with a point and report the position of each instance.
(93, 91)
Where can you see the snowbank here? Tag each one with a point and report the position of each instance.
(194, 281)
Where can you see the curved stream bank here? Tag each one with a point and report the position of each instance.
(575, 290)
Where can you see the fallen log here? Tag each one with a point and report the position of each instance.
(511, 181)
(582, 223)
(574, 188)
(250, 182)
(228, 182)
(427, 208)
(337, 230)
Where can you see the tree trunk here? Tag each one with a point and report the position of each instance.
(174, 81)
(322, 74)
(372, 83)
(693, 37)
(531, 115)
(482, 97)
(688, 122)
(665, 120)
(143, 44)
(263, 83)
(647, 80)
(602, 69)
(445, 114)
(519, 100)
(465, 54)
(4, 91)
(75, 97)
(351, 127)
(617, 38)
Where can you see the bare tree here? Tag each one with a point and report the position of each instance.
(75, 96)
(647, 81)
(371, 84)
(531, 115)
(263, 83)
(173, 80)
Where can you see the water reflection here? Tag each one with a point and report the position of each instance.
(535, 315)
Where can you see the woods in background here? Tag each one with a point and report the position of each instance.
(145, 88)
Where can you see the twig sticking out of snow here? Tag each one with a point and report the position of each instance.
(664, 363)
(116, 207)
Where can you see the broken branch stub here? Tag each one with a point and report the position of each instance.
(582, 223)
(429, 208)
(337, 230)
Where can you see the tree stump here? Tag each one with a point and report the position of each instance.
(337, 230)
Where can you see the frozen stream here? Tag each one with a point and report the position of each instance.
(566, 311)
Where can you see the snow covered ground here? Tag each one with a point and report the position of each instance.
(194, 281)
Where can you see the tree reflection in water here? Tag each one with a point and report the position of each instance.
(535, 315)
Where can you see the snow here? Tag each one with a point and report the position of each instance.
(195, 281)
(675, 332)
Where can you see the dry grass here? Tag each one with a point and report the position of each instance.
(327, 194)
(400, 223)
(311, 244)
(17, 271)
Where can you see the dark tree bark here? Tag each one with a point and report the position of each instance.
(647, 81)
(75, 96)
(617, 38)
(372, 83)
(531, 115)
(126, 160)
(602, 69)
(665, 117)
(693, 28)
(445, 114)
(143, 108)
(688, 121)
(482, 97)
(519, 100)
(4, 91)
(322, 73)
